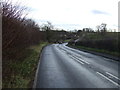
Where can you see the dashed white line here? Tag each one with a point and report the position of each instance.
(112, 75)
(82, 60)
(76, 59)
(108, 79)
(85, 61)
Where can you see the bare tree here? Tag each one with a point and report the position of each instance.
(98, 28)
(47, 28)
(103, 27)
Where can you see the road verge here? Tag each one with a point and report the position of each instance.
(38, 65)
(20, 73)
(95, 52)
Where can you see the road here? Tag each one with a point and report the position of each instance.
(64, 67)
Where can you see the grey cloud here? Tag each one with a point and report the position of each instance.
(99, 12)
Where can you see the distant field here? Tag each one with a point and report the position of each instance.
(105, 43)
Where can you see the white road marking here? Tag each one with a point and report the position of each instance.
(82, 60)
(75, 56)
(85, 61)
(108, 79)
(112, 75)
(76, 59)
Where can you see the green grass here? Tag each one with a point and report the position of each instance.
(100, 36)
(21, 73)
(97, 50)
(93, 38)
(67, 40)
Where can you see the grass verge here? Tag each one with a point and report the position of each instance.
(116, 54)
(21, 73)
(67, 40)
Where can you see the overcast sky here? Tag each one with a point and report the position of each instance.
(73, 14)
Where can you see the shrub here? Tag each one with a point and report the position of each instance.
(107, 44)
(18, 32)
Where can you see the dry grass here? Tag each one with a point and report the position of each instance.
(20, 74)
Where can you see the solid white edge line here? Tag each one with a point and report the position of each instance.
(108, 79)
(112, 75)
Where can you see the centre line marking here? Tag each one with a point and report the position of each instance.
(82, 60)
(85, 61)
(108, 79)
(112, 75)
(76, 60)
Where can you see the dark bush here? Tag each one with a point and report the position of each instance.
(107, 44)
(17, 32)
(71, 42)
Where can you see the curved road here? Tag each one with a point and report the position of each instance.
(64, 67)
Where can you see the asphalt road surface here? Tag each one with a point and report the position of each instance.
(64, 67)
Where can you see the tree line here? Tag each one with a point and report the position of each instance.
(18, 32)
